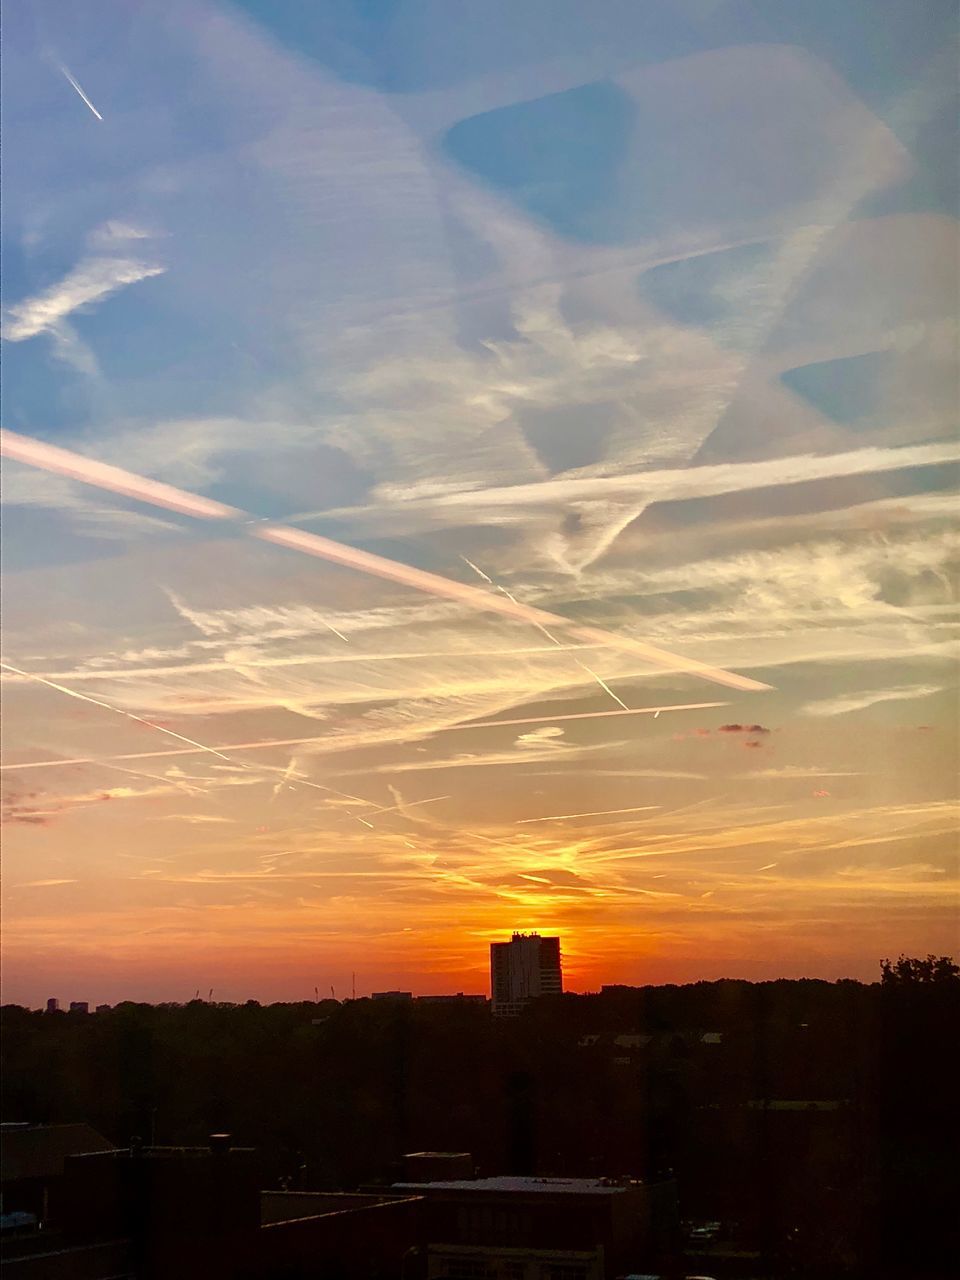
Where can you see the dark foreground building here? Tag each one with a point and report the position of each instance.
(198, 1213)
(527, 1228)
(32, 1160)
(194, 1213)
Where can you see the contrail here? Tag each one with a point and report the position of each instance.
(81, 93)
(193, 748)
(283, 780)
(549, 634)
(582, 715)
(407, 804)
(594, 813)
(116, 480)
(128, 715)
(394, 808)
(102, 475)
(157, 777)
(294, 742)
(299, 660)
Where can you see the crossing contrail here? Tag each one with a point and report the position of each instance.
(549, 634)
(267, 743)
(107, 706)
(116, 480)
(582, 715)
(192, 748)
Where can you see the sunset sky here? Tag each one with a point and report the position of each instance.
(639, 320)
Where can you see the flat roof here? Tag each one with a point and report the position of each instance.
(441, 1155)
(551, 1186)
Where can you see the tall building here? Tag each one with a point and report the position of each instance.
(520, 970)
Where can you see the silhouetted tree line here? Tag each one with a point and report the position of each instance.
(818, 1119)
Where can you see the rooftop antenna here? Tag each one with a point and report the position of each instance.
(196, 994)
(333, 994)
(316, 995)
(210, 994)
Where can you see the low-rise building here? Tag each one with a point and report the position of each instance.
(459, 998)
(616, 1225)
(33, 1159)
(481, 1262)
(437, 1166)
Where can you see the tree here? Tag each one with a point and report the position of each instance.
(908, 971)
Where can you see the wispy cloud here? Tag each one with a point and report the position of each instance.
(194, 819)
(788, 771)
(494, 505)
(859, 700)
(117, 480)
(116, 231)
(41, 808)
(90, 281)
(41, 884)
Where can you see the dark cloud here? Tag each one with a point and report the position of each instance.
(742, 728)
(19, 809)
(753, 743)
(28, 819)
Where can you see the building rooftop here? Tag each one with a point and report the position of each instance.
(439, 1155)
(38, 1151)
(523, 1185)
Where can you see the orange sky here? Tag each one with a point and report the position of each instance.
(466, 412)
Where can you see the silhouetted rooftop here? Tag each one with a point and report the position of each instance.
(507, 1182)
(39, 1150)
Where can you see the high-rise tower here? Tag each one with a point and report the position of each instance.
(520, 970)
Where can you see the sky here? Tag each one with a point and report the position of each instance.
(405, 402)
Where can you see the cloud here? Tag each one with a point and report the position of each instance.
(115, 231)
(194, 819)
(540, 737)
(549, 750)
(789, 771)
(667, 774)
(858, 701)
(742, 728)
(42, 884)
(39, 808)
(619, 499)
(118, 480)
(907, 871)
(92, 280)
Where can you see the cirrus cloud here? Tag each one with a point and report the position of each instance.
(858, 701)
